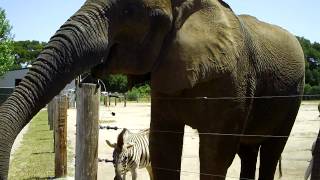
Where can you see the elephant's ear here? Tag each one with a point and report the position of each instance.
(205, 45)
(184, 9)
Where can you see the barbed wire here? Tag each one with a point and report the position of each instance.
(198, 173)
(209, 133)
(205, 174)
(192, 156)
(237, 97)
(188, 172)
(231, 97)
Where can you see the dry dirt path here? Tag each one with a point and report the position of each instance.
(296, 155)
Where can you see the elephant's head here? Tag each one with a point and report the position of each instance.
(107, 36)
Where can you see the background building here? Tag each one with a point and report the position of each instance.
(11, 79)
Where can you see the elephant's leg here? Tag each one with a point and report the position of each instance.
(216, 155)
(270, 153)
(166, 149)
(281, 114)
(248, 155)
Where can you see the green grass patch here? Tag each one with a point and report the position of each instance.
(35, 157)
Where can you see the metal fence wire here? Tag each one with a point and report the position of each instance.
(221, 134)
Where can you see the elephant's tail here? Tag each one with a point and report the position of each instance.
(280, 168)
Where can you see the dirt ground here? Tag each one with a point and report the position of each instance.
(295, 157)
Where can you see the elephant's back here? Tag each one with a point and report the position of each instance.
(277, 55)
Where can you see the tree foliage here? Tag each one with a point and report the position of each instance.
(116, 83)
(26, 52)
(119, 83)
(6, 44)
(312, 60)
(142, 91)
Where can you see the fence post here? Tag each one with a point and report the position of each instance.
(52, 117)
(49, 114)
(87, 132)
(61, 107)
(105, 100)
(315, 174)
(50, 109)
(125, 99)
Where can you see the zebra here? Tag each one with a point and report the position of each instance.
(130, 153)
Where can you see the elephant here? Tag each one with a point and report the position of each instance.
(234, 78)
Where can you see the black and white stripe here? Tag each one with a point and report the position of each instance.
(131, 153)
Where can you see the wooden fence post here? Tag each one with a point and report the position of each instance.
(105, 100)
(50, 109)
(87, 132)
(61, 107)
(49, 114)
(315, 174)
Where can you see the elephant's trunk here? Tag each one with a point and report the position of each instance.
(77, 46)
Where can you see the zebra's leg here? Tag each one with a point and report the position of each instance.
(134, 174)
(166, 141)
(124, 176)
(149, 169)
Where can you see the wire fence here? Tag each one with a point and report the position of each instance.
(193, 157)
(297, 160)
(208, 133)
(191, 172)
(227, 134)
(238, 97)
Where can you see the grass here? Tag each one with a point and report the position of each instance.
(35, 158)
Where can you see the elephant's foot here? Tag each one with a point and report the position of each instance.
(216, 155)
(270, 153)
(166, 150)
(248, 155)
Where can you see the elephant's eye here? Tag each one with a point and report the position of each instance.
(130, 10)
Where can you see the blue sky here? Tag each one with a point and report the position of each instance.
(39, 19)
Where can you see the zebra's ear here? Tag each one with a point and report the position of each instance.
(110, 144)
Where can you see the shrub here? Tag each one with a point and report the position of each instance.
(139, 92)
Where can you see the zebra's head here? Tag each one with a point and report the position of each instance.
(120, 155)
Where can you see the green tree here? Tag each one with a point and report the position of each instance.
(26, 52)
(116, 83)
(6, 44)
(307, 89)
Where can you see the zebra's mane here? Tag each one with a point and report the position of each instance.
(124, 133)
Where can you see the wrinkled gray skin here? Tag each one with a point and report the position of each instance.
(191, 48)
